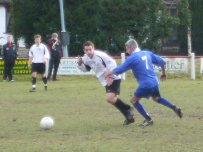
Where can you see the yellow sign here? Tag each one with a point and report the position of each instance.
(21, 67)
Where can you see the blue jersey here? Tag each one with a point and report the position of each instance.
(141, 64)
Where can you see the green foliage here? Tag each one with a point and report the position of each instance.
(84, 21)
(35, 16)
(196, 7)
(191, 17)
(147, 21)
(184, 16)
(109, 23)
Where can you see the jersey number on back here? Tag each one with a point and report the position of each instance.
(144, 58)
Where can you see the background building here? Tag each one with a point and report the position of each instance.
(4, 20)
(170, 44)
(4, 16)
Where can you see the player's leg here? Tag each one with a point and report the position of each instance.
(34, 77)
(124, 108)
(140, 108)
(139, 93)
(157, 97)
(44, 78)
(112, 92)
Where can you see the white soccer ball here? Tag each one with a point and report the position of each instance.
(47, 122)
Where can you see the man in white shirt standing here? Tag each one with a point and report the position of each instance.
(38, 58)
(100, 63)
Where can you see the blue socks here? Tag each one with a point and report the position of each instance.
(141, 110)
(165, 102)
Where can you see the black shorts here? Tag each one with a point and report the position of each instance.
(38, 67)
(114, 88)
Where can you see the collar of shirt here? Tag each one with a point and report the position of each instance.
(136, 50)
(38, 45)
(10, 44)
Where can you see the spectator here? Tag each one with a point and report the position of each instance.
(55, 49)
(9, 56)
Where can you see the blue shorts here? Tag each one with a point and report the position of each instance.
(144, 92)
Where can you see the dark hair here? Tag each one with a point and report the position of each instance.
(37, 36)
(88, 43)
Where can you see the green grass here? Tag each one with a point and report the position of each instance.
(85, 122)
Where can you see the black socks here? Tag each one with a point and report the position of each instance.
(33, 81)
(123, 108)
(121, 105)
(44, 79)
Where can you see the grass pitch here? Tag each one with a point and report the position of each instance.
(85, 122)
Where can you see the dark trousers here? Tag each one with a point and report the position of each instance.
(53, 63)
(8, 70)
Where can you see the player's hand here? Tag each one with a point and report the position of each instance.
(108, 74)
(80, 61)
(109, 81)
(45, 61)
(163, 77)
(109, 77)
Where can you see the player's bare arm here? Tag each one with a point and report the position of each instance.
(46, 60)
(163, 75)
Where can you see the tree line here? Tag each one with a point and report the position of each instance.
(109, 23)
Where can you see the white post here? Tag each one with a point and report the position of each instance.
(122, 61)
(3, 17)
(201, 67)
(63, 27)
(189, 41)
(193, 66)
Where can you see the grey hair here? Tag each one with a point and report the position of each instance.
(54, 35)
(132, 43)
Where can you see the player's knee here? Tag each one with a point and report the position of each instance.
(34, 74)
(134, 100)
(44, 75)
(155, 99)
(110, 98)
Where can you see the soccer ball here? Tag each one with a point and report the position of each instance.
(47, 122)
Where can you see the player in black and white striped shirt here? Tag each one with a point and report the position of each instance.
(38, 58)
